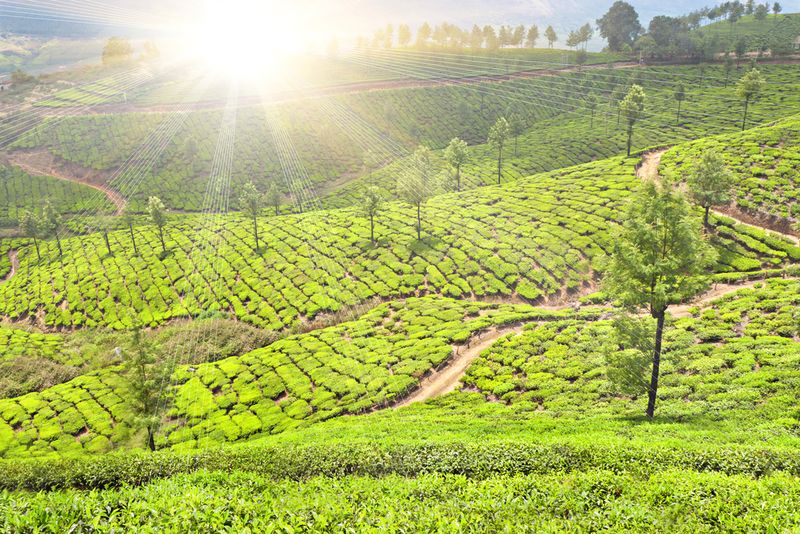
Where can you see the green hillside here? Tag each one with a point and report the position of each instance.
(757, 34)
(454, 287)
(534, 239)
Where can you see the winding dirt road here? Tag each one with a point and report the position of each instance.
(40, 162)
(446, 379)
(13, 257)
(648, 169)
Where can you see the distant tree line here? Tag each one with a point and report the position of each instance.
(451, 36)
(670, 37)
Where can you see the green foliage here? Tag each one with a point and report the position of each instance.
(372, 203)
(764, 162)
(117, 50)
(735, 359)
(602, 500)
(710, 182)
(346, 369)
(628, 368)
(632, 109)
(659, 254)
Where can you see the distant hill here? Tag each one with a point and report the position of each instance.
(757, 33)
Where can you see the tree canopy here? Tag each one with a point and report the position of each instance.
(620, 25)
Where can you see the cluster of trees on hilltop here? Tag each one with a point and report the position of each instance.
(447, 35)
(669, 37)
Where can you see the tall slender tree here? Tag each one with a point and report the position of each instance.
(416, 184)
(251, 203)
(679, 95)
(591, 102)
(457, 154)
(51, 224)
(129, 219)
(748, 89)
(632, 108)
(710, 182)
(532, 37)
(498, 135)
(273, 197)
(371, 205)
(658, 260)
(158, 217)
(551, 36)
(30, 226)
(144, 376)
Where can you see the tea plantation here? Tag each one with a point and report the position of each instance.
(535, 239)
(311, 309)
(766, 162)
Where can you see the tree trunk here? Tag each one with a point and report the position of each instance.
(458, 178)
(161, 236)
(108, 245)
(591, 121)
(255, 230)
(651, 396)
(744, 119)
(58, 242)
(499, 165)
(372, 228)
(630, 139)
(133, 239)
(277, 206)
(705, 217)
(419, 222)
(679, 112)
(36, 244)
(151, 439)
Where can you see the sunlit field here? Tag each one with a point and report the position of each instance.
(425, 267)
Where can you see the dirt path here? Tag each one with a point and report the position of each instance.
(40, 162)
(648, 169)
(716, 292)
(447, 378)
(13, 256)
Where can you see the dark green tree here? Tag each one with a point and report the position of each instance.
(416, 184)
(659, 259)
(498, 135)
(747, 89)
(632, 109)
(457, 154)
(158, 217)
(251, 203)
(620, 26)
(371, 205)
(710, 182)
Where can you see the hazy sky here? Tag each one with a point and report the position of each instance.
(351, 17)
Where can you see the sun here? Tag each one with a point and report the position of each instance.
(246, 38)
